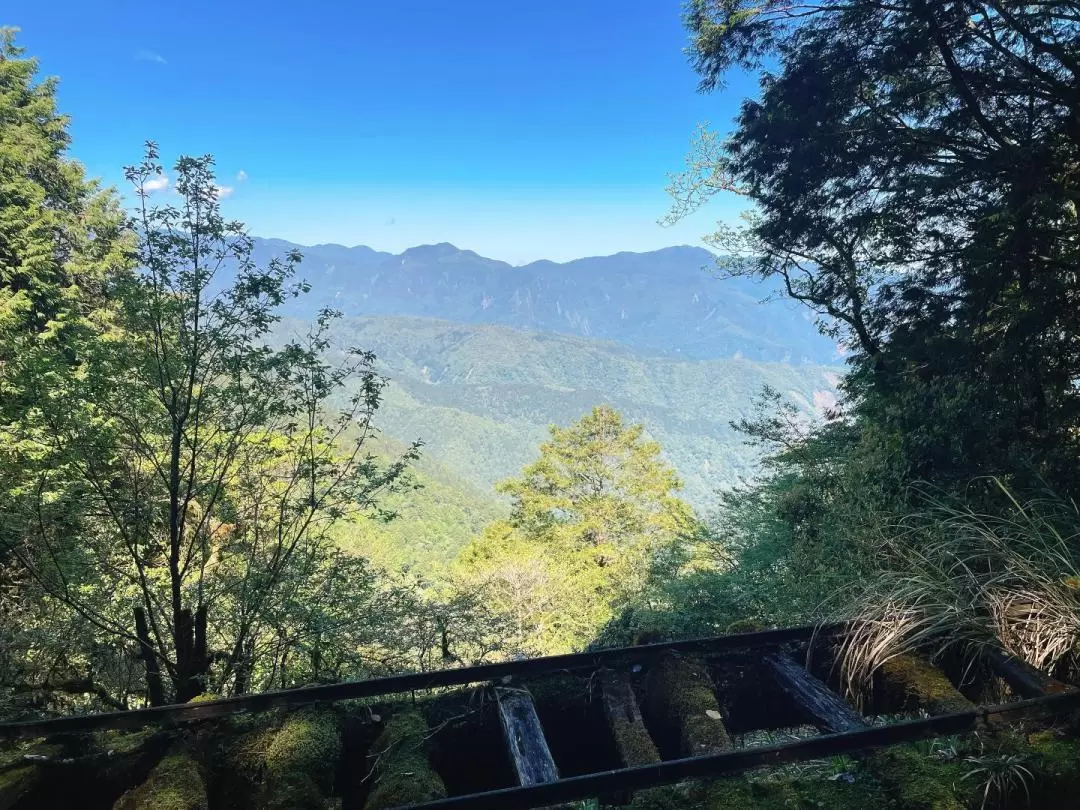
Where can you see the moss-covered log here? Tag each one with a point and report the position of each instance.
(679, 697)
(175, 783)
(301, 759)
(632, 739)
(402, 770)
(911, 683)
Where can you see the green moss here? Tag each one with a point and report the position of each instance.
(17, 782)
(914, 683)
(1054, 761)
(300, 761)
(632, 739)
(633, 742)
(403, 773)
(741, 793)
(205, 697)
(679, 696)
(915, 781)
(905, 777)
(175, 783)
(124, 742)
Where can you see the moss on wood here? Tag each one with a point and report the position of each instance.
(402, 770)
(679, 696)
(914, 683)
(175, 783)
(632, 739)
(17, 783)
(300, 761)
(740, 626)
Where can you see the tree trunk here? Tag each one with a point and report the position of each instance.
(155, 693)
(192, 661)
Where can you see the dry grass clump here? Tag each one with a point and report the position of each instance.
(955, 579)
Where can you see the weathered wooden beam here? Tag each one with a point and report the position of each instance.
(632, 739)
(911, 682)
(529, 750)
(821, 706)
(401, 684)
(1023, 678)
(679, 696)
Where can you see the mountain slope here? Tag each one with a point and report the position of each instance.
(659, 301)
(481, 397)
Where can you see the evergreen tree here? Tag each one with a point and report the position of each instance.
(599, 488)
(588, 521)
(911, 166)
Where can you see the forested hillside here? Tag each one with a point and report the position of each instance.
(482, 397)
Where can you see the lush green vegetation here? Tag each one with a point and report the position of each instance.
(432, 522)
(588, 521)
(169, 483)
(912, 170)
(195, 498)
(482, 397)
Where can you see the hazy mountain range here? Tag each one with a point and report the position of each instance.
(664, 301)
(482, 356)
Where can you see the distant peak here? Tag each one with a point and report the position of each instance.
(432, 251)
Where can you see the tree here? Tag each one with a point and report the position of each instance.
(911, 168)
(588, 520)
(209, 467)
(598, 487)
(62, 243)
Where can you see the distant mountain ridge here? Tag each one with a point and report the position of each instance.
(661, 301)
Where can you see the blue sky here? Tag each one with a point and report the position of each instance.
(519, 130)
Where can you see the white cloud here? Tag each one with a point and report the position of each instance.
(224, 191)
(145, 55)
(154, 184)
(241, 176)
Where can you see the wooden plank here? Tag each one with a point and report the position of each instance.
(912, 682)
(1023, 678)
(503, 672)
(823, 707)
(525, 737)
(632, 739)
